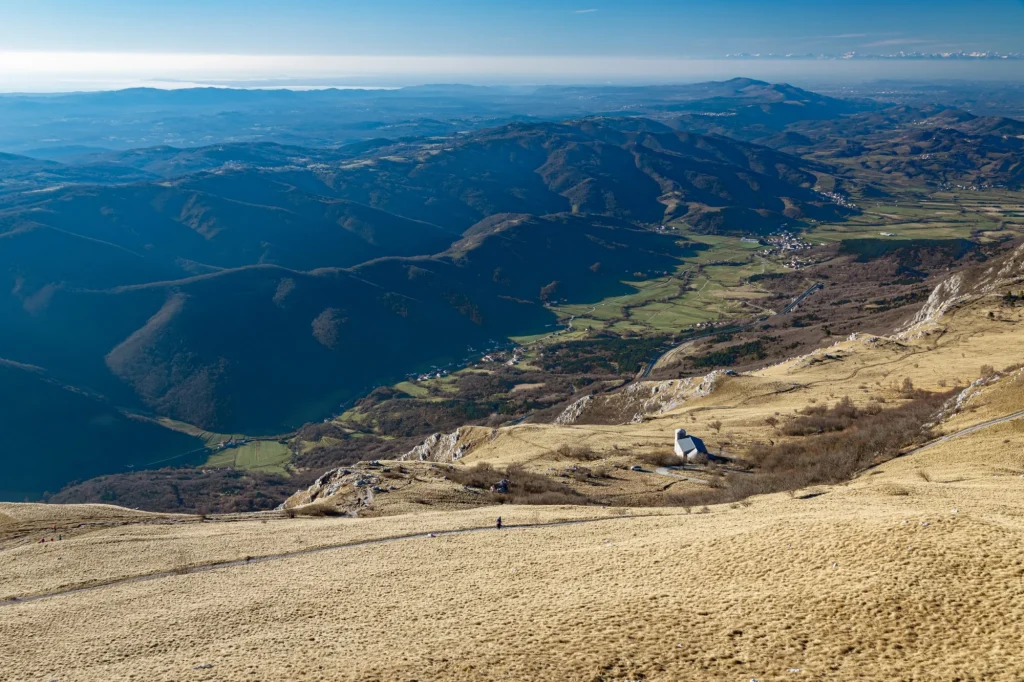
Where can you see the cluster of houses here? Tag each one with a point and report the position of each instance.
(434, 373)
(837, 198)
(232, 443)
(970, 188)
(507, 358)
(496, 352)
(787, 245)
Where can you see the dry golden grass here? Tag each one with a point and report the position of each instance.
(16, 513)
(855, 583)
(115, 553)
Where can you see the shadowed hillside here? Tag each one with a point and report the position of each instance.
(262, 348)
(52, 434)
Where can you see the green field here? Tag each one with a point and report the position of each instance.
(263, 455)
(712, 285)
(942, 215)
(412, 389)
(708, 286)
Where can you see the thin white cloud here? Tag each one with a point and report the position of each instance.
(896, 41)
(848, 35)
(584, 11)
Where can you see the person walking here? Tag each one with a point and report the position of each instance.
(499, 523)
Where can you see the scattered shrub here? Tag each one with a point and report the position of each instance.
(660, 458)
(826, 458)
(578, 453)
(317, 509)
(821, 419)
(524, 487)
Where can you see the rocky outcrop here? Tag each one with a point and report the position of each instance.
(964, 398)
(947, 295)
(359, 482)
(572, 413)
(642, 399)
(448, 447)
(953, 292)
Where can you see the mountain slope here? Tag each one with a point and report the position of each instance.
(624, 168)
(184, 229)
(263, 349)
(52, 434)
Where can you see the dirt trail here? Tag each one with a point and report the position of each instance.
(199, 568)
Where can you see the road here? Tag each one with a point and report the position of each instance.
(799, 299)
(951, 436)
(968, 430)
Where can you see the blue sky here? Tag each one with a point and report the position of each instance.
(47, 43)
(676, 28)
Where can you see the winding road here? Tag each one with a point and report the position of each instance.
(966, 431)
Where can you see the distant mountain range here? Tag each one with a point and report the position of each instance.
(76, 125)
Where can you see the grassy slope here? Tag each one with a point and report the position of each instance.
(608, 598)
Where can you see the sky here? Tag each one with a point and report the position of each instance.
(55, 44)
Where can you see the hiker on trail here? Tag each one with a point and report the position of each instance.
(499, 523)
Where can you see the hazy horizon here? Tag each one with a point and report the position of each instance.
(55, 72)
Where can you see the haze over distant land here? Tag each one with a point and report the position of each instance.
(61, 45)
(94, 71)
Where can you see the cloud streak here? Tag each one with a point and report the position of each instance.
(897, 41)
(584, 11)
